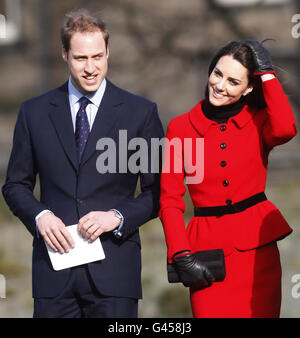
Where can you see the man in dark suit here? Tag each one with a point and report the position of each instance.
(55, 137)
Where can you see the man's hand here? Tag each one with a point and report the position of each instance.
(55, 233)
(93, 224)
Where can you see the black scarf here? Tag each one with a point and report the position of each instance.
(221, 114)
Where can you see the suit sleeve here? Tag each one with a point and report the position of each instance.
(172, 205)
(145, 206)
(280, 124)
(21, 176)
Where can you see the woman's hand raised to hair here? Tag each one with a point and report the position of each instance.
(262, 57)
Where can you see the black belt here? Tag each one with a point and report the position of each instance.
(230, 209)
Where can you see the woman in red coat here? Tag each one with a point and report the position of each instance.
(244, 115)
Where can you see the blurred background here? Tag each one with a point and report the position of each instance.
(159, 49)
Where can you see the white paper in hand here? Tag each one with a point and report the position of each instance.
(83, 252)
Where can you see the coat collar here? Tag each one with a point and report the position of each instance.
(201, 123)
(107, 115)
(95, 97)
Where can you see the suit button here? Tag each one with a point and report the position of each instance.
(228, 201)
(223, 127)
(79, 201)
(223, 164)
(223, 145)
(225, 183)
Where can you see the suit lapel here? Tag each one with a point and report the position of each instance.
(106, 118)
(60, 116)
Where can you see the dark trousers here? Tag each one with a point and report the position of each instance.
(81, 299)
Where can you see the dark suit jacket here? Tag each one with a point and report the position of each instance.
(44, 144)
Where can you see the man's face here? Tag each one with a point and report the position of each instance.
(87, 60)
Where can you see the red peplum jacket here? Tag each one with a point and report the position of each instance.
(235, 168)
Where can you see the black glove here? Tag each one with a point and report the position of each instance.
(192, 272)
(261, 56)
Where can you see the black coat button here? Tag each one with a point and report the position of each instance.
(225, 183)
(223, 127)
(228, 201)
(223, 164)
(223, 145)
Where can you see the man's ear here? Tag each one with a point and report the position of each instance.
(64, 55)
(107, 52)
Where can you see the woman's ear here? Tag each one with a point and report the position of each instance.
(248, 90)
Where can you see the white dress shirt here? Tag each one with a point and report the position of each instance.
(92, 108)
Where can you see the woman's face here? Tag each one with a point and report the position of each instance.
(228, 82)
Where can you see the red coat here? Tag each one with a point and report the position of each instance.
(242, 163)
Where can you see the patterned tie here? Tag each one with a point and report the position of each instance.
(82, 128)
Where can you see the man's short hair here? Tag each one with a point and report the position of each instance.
(81, 21)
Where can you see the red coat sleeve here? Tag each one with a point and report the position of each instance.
(280, 124)
(172, 205)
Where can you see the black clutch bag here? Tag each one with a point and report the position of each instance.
(212, 259)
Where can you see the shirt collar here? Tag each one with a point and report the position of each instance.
(201, 123)
(95, 97)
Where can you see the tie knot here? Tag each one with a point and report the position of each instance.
(84, 101)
